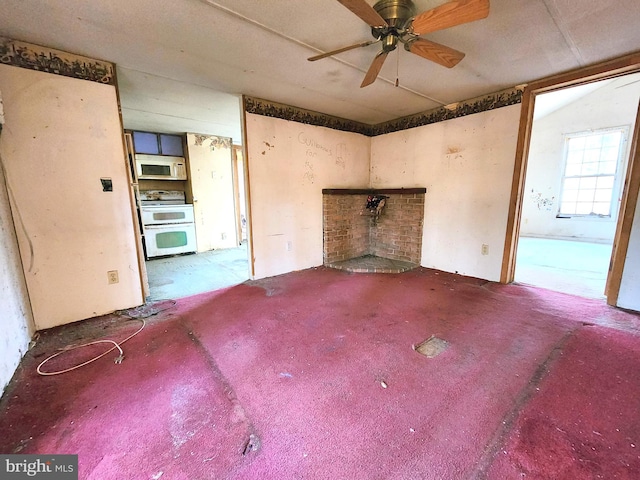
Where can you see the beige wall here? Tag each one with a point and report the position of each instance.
(466, 165)
(289, 165)
(62, 135)
(211, 178)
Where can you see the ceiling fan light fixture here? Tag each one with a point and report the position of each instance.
(389, 43)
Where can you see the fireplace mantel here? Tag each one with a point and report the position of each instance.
(373, 191)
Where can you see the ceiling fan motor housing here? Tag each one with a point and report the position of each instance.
(397, 13)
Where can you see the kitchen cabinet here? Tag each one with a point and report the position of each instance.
(158, 143)
(162, 144)
(171, 145)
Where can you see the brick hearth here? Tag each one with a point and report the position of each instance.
(355, 240)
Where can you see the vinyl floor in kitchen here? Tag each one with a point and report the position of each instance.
(180, 276)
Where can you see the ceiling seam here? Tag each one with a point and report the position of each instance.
(139, 110)
(627, 84)
(262, 26)
(555, 16)
(215, 89)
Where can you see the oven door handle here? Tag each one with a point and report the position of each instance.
(165, 225)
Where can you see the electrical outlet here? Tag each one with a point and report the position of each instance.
(223, 235)
(485, 249)
(289, 246)
(112, 276)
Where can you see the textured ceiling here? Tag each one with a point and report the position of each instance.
(183, 63)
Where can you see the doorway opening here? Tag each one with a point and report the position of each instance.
(216, 188)
(578, 153)
(191, 228)
(624, 266)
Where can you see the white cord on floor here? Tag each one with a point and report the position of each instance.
(116, 345)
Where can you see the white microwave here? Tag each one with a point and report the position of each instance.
(160, 167)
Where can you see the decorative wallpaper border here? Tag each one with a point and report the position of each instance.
(267, 108)
(44, 59)
(215, 141)
(484, 103)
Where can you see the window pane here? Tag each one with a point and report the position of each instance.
(572, 184)
(574, 157)
(593, 141)
(577, 143)
(610, 154)
(601, 208)
(573, 170)
(605, 182)
(603, 195)
(588, 183)
(611, 139)
(592, 155)
(583, 208)
(608, 168)
(568, 207)
(586, 195)
(570, 196)
(590, 168)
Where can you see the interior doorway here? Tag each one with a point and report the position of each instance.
(578, 153)
(622, 288)
(189, 241)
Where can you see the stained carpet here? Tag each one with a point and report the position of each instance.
(314, 375)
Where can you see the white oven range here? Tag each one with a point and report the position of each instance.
(167, 223)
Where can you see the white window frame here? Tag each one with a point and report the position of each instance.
(622, 153)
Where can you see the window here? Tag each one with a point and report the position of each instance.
(591, 163)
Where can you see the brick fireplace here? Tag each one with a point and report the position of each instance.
(358, 240)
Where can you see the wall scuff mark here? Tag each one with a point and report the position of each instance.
(542, 203)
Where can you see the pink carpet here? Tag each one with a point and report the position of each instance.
(284, 378)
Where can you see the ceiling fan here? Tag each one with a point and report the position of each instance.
(394, 21)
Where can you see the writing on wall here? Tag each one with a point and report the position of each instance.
(314, 149)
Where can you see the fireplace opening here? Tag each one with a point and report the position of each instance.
(376, 231)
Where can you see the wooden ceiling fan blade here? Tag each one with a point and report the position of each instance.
(374, 69)
(450, 14)
(441, 54)
(340, 50)
(365, 11)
